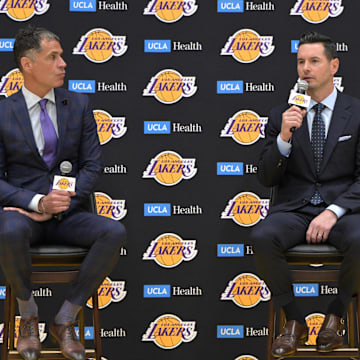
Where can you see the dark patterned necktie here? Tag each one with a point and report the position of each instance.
(317, 144)
(50, 138)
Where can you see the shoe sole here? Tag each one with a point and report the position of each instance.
(303, 339)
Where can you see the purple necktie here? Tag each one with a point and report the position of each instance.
(49, 133)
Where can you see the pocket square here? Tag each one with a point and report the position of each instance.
(344, 138)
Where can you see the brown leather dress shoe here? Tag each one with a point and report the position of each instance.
(28, 344)
(65, 336)
(292, 335)
(331, 334)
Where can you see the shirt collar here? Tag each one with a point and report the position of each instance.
(32, 99)
(329, 102)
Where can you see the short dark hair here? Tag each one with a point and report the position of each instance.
(312, 37)
(28, 39)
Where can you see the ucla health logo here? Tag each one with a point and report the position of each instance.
(109, 127)
(245, 127)
(106, 206)
(82, 5)
(169, 168)
(315, 11)
(170, 11)
(108, 292)
(246, 290)
(168, 331)
(6, 45)
(99, 45)
(246, 46)
(169, 250)
(11, 83)
(42, 333)
(246, 209)
(169, 86)
(314, 322)
(22, 10)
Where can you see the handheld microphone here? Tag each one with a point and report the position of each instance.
(299, 97)
(64, 182)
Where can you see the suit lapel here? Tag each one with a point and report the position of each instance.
(301, 137)
(22, 117)
(341, 115)
(62, 114)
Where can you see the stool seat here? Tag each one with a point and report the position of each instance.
(304, 254)
(57, 250)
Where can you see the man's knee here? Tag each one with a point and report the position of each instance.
(13, 228)
(114, 232)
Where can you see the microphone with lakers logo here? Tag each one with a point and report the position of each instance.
(299, 97)
(63, 182)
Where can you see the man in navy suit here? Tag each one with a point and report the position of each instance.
(316, 170)
(41, 126)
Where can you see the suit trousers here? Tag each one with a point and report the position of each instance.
(102, 236)
(280, 231)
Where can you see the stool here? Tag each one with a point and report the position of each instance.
(306, 254)
(54, 257)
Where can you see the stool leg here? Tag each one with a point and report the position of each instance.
(81, 326)
(7, 305)
(351, 325)
(12, 321)
(96, 322)
(271, 326)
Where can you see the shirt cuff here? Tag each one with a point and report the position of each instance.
(338, 210)
(34, 203)
(283, 146)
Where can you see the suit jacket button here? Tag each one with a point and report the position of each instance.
(279, 164)
(304, 201)
(318, 185)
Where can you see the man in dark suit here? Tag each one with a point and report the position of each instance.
(316, 170)
(41, 126)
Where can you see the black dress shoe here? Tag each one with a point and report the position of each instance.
(331, 334)
(293, 334)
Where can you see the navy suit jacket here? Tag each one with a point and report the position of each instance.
(295, 177)
(23, 173)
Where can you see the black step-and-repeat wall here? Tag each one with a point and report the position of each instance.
(181, 92)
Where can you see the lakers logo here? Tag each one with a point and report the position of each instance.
(246, 127)
(169, 331)
(22, 10)
(99, 45)
(317, 11)
(63, 184)
(169, 250)
(109, 127)
(113, 209)
(314, 322)
(169, 86)
(246, 46)
(246, 209)
(42, 333)
(246, 357)
(169, 11)
(11, 82)
(338, 83)
(169, 168)
(108, 292)
(246, 291)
